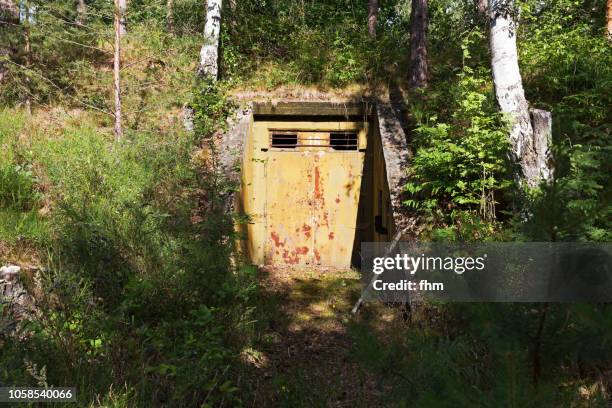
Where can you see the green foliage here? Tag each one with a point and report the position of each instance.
(492, 355)
(567, 67)
(20, 198)
(129, 268)
(460, 164)
(58, 48)
(17, 179)
(272, 43)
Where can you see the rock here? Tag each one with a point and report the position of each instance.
(16, 303)
(9, 273)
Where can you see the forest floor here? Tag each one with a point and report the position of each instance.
(306, 351)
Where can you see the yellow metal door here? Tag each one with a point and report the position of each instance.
(337, 184)
(289, 208)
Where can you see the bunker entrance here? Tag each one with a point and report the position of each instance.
(312, 196)
(311, 184)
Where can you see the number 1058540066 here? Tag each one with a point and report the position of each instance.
(29, 394)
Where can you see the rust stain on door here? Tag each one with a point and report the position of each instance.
(336, 210)
(289, 209)
(311, 206)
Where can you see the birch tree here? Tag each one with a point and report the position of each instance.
(418, 45)
(27, 18)
(531, 154)
(122, 7)
(81, 9)
(209, 54)
(117, 69)
(372, 17)
(170, 16)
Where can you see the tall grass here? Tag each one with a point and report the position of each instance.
(139, 294)
(19, 195)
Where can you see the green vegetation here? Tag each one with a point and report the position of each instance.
(462, 181)
(140, 299)
(129, 269)
(460, 167)
(490, 355)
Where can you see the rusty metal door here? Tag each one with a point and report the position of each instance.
(337, 182)
(312, 198)
(289, 208)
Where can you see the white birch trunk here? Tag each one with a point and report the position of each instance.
(117, 71)
(27, 12)
(170, 16)
(81, 10)
(510, 94)
(122, 4)
(209, 54)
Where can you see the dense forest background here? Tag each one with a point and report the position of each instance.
(126, 248)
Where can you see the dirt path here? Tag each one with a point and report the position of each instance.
(304, 354)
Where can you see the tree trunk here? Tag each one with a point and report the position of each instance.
(233, 20)
(27, 51)
(122, 6)
(372, 17)
(609, 20)
(481, 7)
(9, 11)
(117, 70)
(209, 54)
(540, 160)
(170, 16)
(418, 45)
(81, 10)
(511, 96)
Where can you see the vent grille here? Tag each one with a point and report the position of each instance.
(284, 140)
(335, 140)
(343, 141)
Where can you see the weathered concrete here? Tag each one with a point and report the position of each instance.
(397, 160)
(231, 149)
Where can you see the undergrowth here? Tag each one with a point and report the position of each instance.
(141, 302)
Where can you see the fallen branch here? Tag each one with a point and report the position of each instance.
(394, 242)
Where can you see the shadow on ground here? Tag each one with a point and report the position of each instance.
(304, 354)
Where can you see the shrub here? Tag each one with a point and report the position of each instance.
(460, 168)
